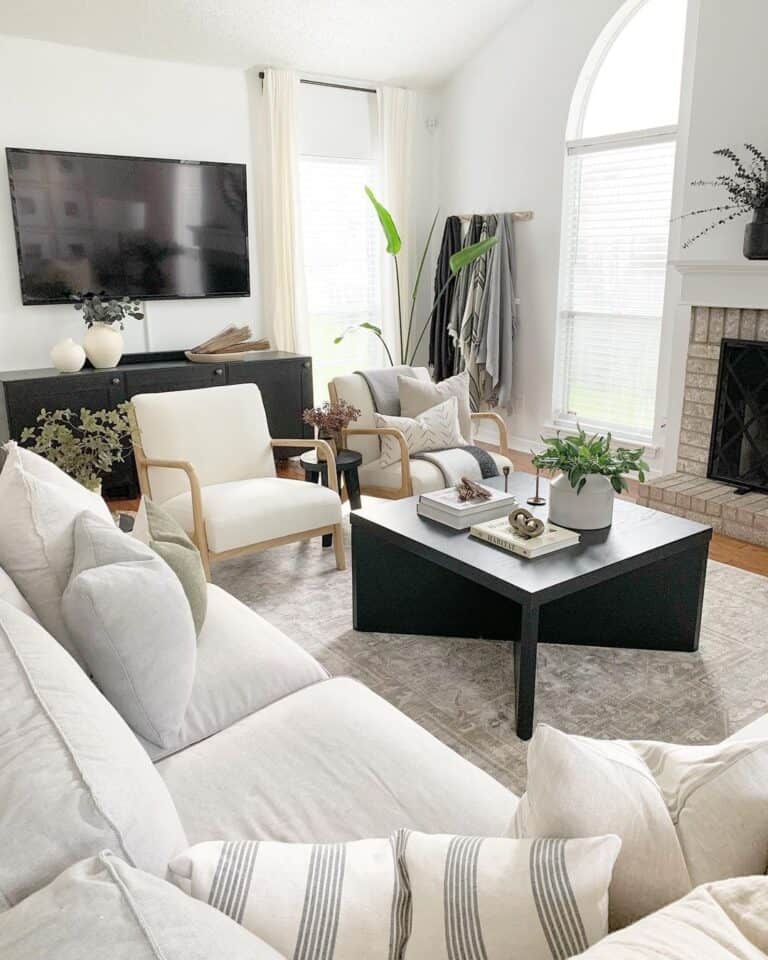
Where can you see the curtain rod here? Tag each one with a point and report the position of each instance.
(325, 83)
(515, 214)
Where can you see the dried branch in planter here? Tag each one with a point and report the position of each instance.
(469, 490)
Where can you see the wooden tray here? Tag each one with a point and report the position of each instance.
(215, 357)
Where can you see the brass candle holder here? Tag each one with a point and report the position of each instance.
(536, 500)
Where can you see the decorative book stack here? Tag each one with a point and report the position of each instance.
(445, 507)
(499, 533)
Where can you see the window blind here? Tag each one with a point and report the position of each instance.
(618, 199)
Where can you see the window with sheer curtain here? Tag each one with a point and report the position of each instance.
(337, 159)
(617, 198)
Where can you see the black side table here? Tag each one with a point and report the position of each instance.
(347, 462)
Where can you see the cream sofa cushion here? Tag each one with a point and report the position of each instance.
(38, 507)
(718, 921)
(103, 909)
(221, 431)
(74, 778)
(11, 594)
(245, 512)
(417, 396)
(130, 620)
(243, 664)
(332, 762)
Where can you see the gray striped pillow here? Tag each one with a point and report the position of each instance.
(489, 899)
(324, 901)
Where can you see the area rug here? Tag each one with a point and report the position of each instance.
(463, 690)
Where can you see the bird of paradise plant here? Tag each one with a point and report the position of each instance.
(461, 259)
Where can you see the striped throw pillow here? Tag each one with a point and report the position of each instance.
(489, 899)
(324, 901)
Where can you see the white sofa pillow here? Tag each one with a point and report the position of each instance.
(11, 594)
(496, 899)
(717, 921)
(347, 897)
(74, 778)
(128, 616)
(38, 507)
(435, 429)
(417, 396)
(686, 814)
(102, 909)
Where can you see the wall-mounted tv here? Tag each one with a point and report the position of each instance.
(130, 226)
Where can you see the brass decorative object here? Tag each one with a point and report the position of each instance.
(469, 490)
(525, 524)
(536, 500)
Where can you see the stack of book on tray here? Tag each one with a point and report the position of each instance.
(445, 507)
(499, 533)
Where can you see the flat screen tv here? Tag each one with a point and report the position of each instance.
(128, 226)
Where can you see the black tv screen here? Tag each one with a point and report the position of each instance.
(128, 226)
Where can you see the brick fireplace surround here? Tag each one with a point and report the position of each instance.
(688, 493)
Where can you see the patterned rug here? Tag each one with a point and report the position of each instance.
(462, 690)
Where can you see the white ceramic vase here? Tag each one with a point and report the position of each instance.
(592, 509)
(103, 344)
(67, 356)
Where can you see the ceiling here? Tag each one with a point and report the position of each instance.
(412, 42)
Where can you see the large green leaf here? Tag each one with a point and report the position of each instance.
(463, 258)
(387, 224)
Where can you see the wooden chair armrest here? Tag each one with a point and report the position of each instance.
(500, 424)
(405, 459)
(319, 445)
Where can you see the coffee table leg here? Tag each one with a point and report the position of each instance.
(525, 671)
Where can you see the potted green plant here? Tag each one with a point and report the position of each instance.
(86, 446)
(747, 191)
(104, 317)
(581, 497)
(409, 342)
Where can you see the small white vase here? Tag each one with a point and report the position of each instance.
(592, 509)
(67, 356)
(103, 344)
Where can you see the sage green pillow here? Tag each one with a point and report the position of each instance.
(169, 539)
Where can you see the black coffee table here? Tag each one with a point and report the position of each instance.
(638, 584)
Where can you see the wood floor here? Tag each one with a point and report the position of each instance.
(747, 556)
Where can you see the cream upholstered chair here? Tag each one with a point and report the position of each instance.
(207, 457)
(406, 477)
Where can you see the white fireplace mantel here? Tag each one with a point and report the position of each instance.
(724, 283)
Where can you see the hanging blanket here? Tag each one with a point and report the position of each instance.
(472, 462)
(383, 386)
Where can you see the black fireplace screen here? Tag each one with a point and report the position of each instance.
(738, 452)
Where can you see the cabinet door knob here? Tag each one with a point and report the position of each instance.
(218, 371)
(115, 381)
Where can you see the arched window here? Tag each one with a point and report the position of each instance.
(617, 197)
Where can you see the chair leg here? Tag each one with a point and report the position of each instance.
(206, 564)
(338, 547)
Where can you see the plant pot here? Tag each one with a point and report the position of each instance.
(592, 509)
(67, 356)
(103, 343)
(756, 235)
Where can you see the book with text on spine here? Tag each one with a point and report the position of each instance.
(499, 533)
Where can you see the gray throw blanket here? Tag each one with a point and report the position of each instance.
(383, 386)
(457, 462)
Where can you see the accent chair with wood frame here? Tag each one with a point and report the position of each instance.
(206, 456)
(406, 477)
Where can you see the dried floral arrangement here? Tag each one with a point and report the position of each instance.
(746, 188)
(330, 419)
(101, 308)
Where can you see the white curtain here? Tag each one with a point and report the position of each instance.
(396, 110)
(282, 273)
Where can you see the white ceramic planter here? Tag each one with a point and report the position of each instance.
(67, 356)
(592, 509)
(103, 344)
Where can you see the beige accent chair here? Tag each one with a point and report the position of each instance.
(406, 477)
(206, 457)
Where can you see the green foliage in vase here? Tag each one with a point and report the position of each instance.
(100, 308)
(86, 446)
(409, 343)
(579, 456)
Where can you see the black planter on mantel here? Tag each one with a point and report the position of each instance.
(756, 235)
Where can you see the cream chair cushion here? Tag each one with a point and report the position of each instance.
(425, 476)
(247, 512)
(417, 396)
(221, 431)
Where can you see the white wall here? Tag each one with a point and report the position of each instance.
(67, 98)
(502, 128)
